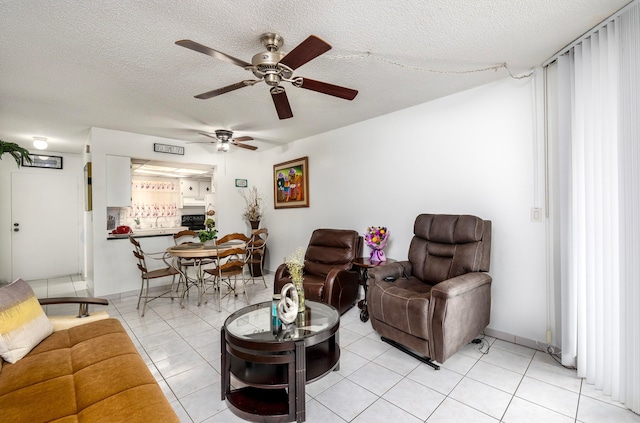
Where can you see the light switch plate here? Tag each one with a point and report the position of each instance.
(536, 214)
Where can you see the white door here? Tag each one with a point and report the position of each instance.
(45, 220)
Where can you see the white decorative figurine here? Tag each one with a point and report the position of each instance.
(288, 305)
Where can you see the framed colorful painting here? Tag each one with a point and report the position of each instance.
(291, 184)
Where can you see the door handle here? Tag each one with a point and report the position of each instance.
(16, 227)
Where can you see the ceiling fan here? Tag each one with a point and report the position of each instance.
(225, 139)
(274, 66)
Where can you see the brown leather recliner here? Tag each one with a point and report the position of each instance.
(440, 299)
(329, 276)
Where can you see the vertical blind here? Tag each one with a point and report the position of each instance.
(629, 123)
(598, 142)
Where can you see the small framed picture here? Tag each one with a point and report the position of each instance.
(241, 183)
(291, 184)
(37, 160)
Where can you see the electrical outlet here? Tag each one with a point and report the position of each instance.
(536, 214)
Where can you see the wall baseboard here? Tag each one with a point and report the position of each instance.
(519, 340)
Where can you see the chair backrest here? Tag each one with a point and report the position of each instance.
(446, 246)
(185, 237)
(231, 261)
(232, 237)
(332, 248)
(139, 254)
(258, 242)
(257, 234)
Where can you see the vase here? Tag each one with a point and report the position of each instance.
(210, 243)
(377, 255)
(254, 224)
(300, 288)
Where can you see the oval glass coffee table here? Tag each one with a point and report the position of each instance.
(272, 364)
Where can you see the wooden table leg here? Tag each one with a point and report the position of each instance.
(362, 305)
(225, 369)
(301, 380)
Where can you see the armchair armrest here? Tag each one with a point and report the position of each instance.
(460, 309)
(66, 322)
(281, 272)
(83, 310)
(399, 269)
(341, 288)
(460, 285)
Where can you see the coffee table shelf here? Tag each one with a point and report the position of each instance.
(320, 360)
(271, 405)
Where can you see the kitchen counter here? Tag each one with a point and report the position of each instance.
(147, 233)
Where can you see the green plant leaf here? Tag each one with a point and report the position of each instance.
(18, 153)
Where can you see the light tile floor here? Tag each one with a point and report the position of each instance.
(375, 383)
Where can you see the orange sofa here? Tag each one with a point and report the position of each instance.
(88, 373)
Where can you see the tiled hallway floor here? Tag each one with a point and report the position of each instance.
(375, 383)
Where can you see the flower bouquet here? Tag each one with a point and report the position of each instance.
(376, 238)
(295, 265)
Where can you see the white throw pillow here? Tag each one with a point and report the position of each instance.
(23, 323)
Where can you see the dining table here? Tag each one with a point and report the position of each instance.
(199, 255)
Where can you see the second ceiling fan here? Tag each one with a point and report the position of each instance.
(225, 139)
(274, 66)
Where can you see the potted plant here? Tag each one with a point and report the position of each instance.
(253, 210)
(18, 153)
(209, 233)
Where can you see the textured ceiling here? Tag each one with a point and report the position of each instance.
(68, 65)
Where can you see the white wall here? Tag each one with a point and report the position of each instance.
(470, 153)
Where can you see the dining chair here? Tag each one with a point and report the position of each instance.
(230, 264)
(256, 249)
(235, 236)
(147, 275)
(188, 236)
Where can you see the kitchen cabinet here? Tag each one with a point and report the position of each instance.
(195, 187)
(118, 181)
(204, 188)
(193, 191)
(189, 187)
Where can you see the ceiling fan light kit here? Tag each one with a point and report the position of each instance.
(274, 67)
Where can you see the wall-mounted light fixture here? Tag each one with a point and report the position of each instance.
(40, 143)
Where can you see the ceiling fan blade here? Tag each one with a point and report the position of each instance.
(245, 138)
(248, 147)
(306, 51)
(208, 135)
(281, 101)
(192, 45)
(326, 88)
(226, 89)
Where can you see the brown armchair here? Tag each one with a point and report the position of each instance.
(440, 299)
(328, 273)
